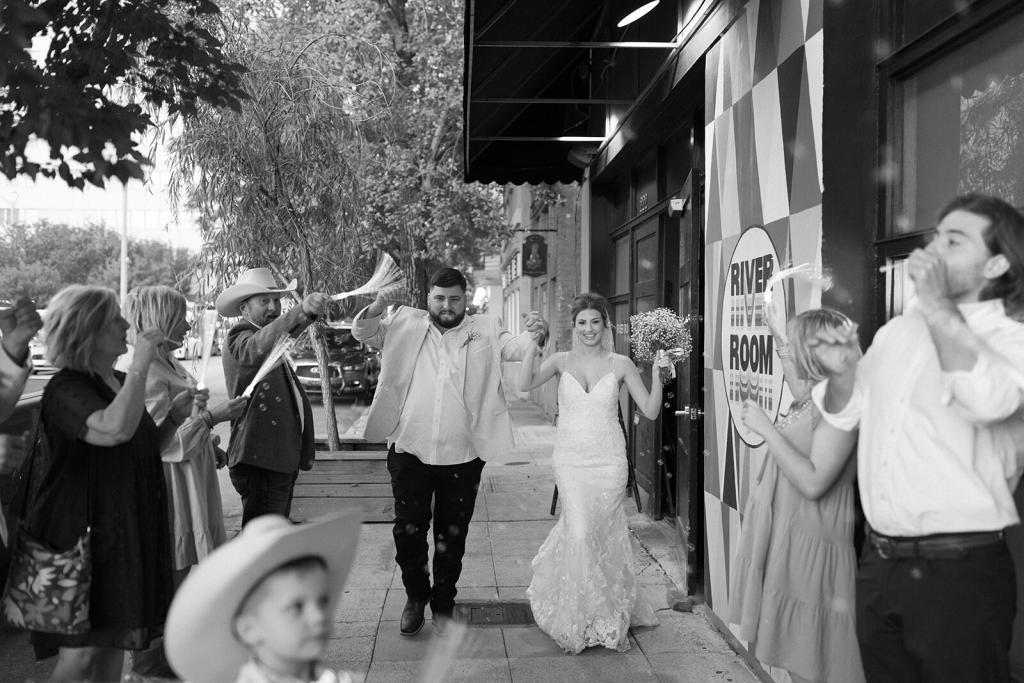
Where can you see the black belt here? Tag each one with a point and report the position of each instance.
(934, 547)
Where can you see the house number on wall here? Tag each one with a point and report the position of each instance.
(641, 203)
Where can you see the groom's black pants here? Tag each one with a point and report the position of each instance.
(452, 488)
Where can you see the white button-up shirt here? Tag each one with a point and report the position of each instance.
(938, 451)
(433, 426)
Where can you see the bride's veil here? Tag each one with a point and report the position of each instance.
(607, 341)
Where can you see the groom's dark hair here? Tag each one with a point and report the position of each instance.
(447, 277)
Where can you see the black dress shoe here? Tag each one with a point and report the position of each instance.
(412, 617)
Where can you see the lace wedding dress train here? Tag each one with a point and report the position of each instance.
(584, 590)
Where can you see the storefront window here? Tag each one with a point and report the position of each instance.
(647, 258)
(511, 271)
(961, 121)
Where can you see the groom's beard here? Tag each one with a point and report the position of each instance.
(447, 319)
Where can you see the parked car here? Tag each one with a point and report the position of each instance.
(353, 366)
(40, 366)
(192, 347)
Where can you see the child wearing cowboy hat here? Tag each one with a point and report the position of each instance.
(260, 608)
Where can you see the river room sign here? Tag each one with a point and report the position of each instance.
(751, 368)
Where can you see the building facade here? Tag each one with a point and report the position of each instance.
(716, 142)
(540, 266)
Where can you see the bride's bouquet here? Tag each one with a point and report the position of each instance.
(660, 330)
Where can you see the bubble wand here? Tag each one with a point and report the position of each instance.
(386, 276)
(269, 363)
(207, 333)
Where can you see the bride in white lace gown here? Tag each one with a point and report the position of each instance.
(584, 591)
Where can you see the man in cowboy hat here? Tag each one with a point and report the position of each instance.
(274, 439)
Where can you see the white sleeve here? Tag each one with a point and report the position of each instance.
(846, 419)
(993, 389)
(370, 331)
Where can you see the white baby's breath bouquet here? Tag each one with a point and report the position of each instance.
(660, 330)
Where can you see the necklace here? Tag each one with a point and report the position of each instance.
(797, 409)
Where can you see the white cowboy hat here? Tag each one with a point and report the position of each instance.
(250, 283)
(199, 636)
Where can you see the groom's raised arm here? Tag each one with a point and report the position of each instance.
(368, 325)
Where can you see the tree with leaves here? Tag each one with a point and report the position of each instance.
(109, 65)
(348, 145)
(419, 198)
(385, 79)
(278, 184)
(39, 260)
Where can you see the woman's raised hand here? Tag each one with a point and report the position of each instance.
(838, 349)
(181, 405)
(661, 360)
(200, 398)
(147, 344)
(536, 326)
(755, 419)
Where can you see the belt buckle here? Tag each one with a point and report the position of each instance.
(884, 547)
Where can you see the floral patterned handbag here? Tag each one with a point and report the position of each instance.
(47, 590)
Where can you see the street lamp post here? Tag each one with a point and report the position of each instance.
(124, 246)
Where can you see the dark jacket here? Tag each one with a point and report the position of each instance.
(270, 434)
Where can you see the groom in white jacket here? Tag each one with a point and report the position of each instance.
(440, 406)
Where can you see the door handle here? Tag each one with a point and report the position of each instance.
(691, 412)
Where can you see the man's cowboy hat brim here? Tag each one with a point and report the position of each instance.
(199, 635)
(250, 283)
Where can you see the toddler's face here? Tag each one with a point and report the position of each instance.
(288, 629)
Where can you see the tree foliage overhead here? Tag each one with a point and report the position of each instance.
(109, 64)
(278, 183)
(350, 143)
(38, 260)
(432, 216)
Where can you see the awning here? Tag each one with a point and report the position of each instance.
(526, 103)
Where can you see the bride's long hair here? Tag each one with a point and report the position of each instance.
(591, 301)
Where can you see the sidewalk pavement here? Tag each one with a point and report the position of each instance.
(510, 523)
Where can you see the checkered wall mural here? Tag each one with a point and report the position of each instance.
(763, 100)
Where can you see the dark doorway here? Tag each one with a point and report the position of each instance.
(689, 414)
